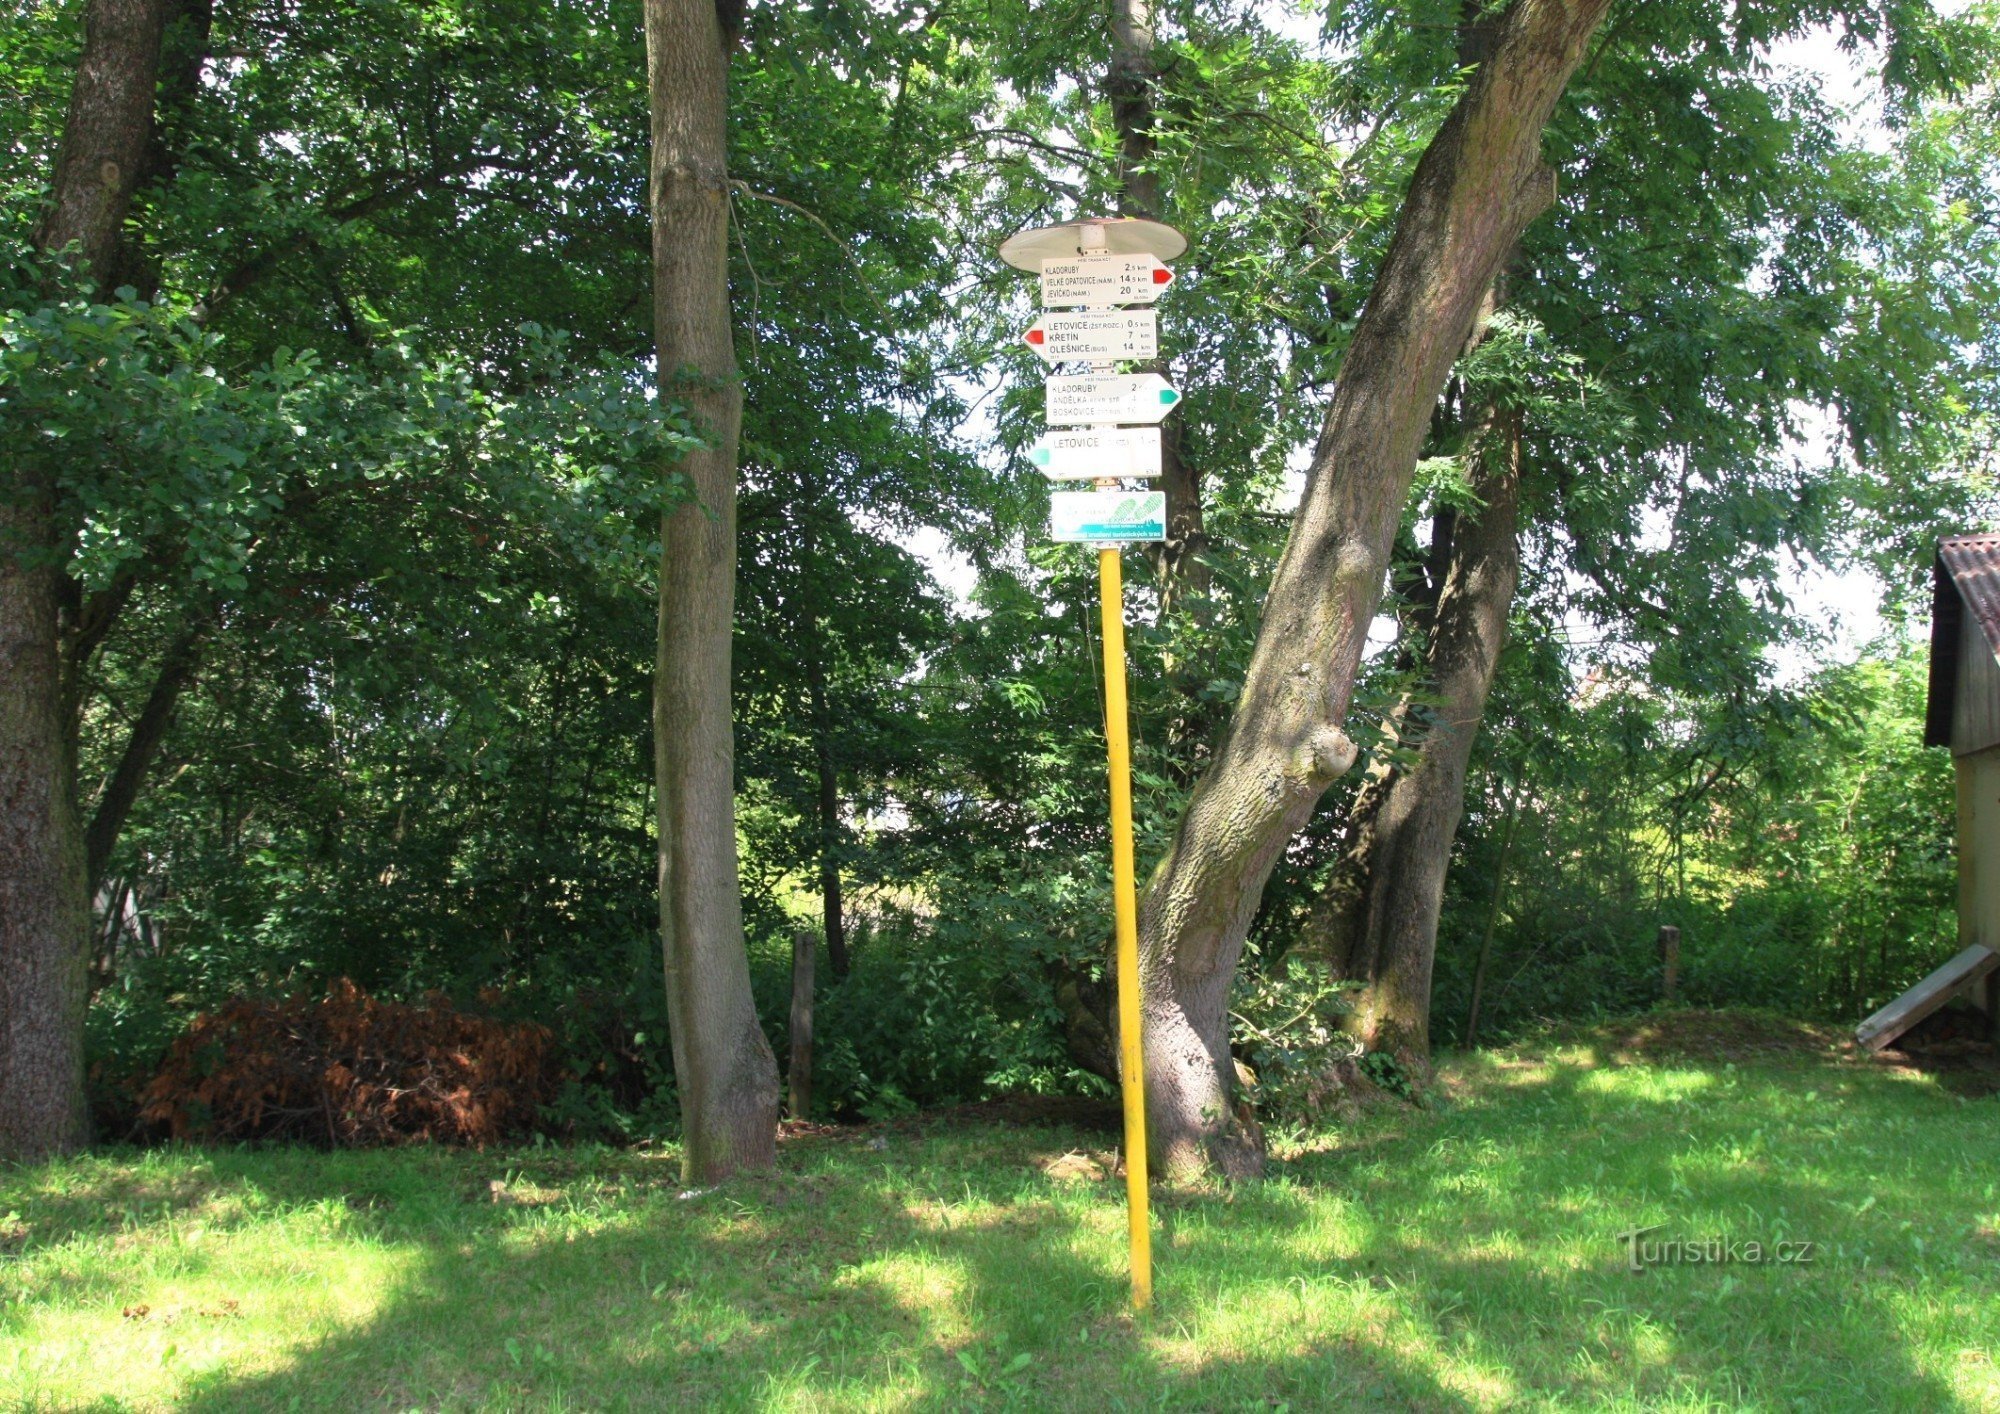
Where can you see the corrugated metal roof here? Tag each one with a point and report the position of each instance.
(1965, 583)
(1974, 562)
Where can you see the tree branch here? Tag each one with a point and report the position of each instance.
(813, 216)
(121, 792)
(247, 272)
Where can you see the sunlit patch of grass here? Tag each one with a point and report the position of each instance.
(1467, 1256)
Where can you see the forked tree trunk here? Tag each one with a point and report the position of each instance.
(44, 897)
(723, 1066)
(1377, 923)
(1476, 188)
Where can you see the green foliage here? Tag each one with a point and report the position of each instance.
(159, 458)
(937, 1011)
(329, 435)
(1389, 1074)
(1803, 842)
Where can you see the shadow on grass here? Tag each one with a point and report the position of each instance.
(827, 1283)
(914, 1286)
(1458, 1260)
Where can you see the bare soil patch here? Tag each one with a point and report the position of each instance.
(1724, 1035)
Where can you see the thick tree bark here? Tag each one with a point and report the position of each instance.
(1129, 85)
(105, 132)
(1378, 920)
(44, 903)
(727, 1076)
(1476, 188)
(44, 898)
(1134, 73)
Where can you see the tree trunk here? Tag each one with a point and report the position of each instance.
(1380, 921)
(1129, 86)
(723, 1066)
(1476, 188)
(828, 783)
(799, 1074)
(105, 133)
(44, 903)
(44, 898)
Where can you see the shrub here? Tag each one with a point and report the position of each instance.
(937, 1011)
(348, 1070)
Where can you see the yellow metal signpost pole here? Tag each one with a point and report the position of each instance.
(1125, 905)
(1106, 266)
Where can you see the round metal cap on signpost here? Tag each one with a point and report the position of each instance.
(1110, 235)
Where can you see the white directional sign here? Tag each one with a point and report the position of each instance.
(1079, 399)
(1096, 334)
(1103, 280)
(1107, 516)
(1087, 453)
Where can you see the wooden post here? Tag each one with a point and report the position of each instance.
(799, 1076)
(1670, 961)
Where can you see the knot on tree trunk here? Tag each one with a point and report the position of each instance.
(1536, 193)
(1324, 756)
(709, 178)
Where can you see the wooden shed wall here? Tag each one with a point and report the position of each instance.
(1975, 706)
(1979, 848)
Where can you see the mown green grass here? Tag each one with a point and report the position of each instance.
(1465, 1257)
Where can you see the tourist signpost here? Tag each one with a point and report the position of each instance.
(1100, 278)
(1123, 333)
(1098, 268)
(1094, 453)
(1107, 517)
(1094, 399)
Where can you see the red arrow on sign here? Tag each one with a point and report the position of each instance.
(1098, 334)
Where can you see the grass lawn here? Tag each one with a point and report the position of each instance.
(1467, 1256)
